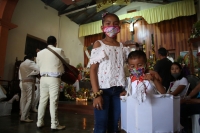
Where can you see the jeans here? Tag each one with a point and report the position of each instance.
(108, 118)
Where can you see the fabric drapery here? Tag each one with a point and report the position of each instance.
(152, 15)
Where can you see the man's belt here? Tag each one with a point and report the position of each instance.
(46, 75)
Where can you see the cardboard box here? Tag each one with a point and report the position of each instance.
(157, 114)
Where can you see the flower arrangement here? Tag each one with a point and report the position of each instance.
(180, 60)
(195, 30)
(86, 73)
(72, 95)
(70, 92)
(150, 63)
(80, 67)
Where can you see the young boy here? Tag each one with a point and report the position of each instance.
(140, 81)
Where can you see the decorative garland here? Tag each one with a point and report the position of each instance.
(195, 30)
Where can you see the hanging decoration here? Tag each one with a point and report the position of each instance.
(152, 49)
(195, 30)
(88, 53)
(144, 46)
(103, 4)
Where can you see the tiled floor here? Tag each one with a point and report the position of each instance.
(74, 122)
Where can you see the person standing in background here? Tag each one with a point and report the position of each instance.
(37, 91)
(27, 70)
(36, 96)
(51, 69)
(163, 67)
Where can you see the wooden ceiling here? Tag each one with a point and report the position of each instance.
(84, 11)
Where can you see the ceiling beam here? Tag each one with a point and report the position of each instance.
(47, 2)
(90, 18)
(85, 5)
(75, 16)
(81, 8)
(63, 8)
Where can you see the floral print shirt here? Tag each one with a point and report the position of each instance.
(111, 61)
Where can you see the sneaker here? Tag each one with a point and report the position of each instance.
(27, 120)
(59, 127)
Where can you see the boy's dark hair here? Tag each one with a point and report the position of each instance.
(29, 56)
(180, 67)
(137, 54)
(162, 51)
(109, 14)
(51, 40)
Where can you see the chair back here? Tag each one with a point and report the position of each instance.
(193, 80)
(184, 92)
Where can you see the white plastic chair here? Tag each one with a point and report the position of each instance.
(184, 92)
(195, 123)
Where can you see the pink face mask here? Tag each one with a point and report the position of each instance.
(111, 31)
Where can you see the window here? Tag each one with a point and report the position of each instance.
(33, 43)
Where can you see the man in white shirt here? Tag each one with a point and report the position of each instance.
(27, 71)
(51, 69)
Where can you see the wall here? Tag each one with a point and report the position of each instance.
(32, 18)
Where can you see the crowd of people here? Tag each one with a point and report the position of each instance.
(48, 70)
(107, 76)
(108, 57)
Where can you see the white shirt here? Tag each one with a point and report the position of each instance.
(170, 58)
(182, 81)
(140, 89)
(27, 69)
(49, 63)
(111, 61)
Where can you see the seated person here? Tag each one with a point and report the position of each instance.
(137, 61)
(190, 106)
(178, 86)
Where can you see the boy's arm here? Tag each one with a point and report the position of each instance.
(155, 75)
(159, 86)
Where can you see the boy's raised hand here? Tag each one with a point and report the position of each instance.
(148, 76)
(155, 75)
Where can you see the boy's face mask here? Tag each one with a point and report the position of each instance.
(111, 31)
(137, 72)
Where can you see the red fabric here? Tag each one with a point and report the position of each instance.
(133, 78)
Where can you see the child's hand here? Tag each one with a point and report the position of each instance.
(155, 75)
(148, 76)
(123, 93)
